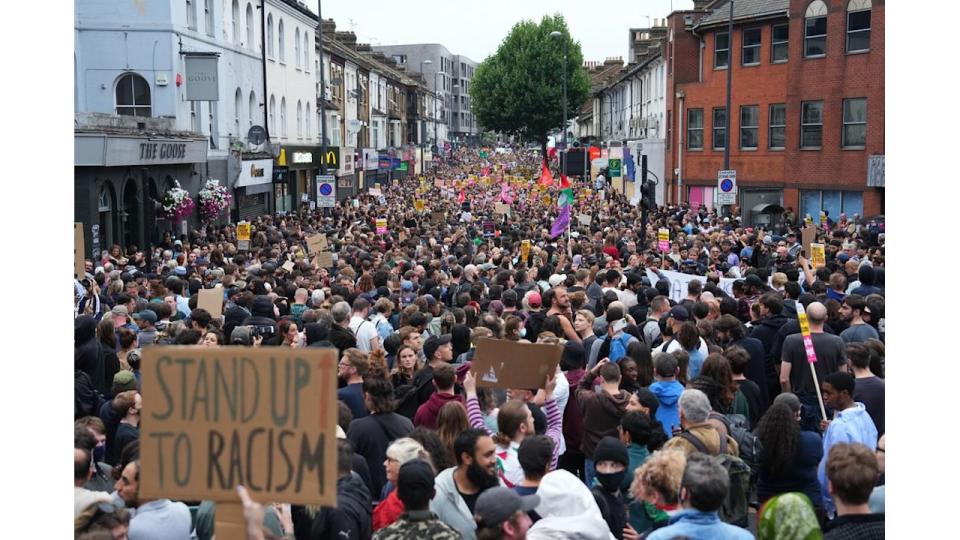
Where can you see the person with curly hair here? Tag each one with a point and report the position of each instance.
(790, 456)
(656, 485)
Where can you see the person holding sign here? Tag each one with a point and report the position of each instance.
(796, 377)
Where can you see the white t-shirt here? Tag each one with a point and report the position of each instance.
(675, 346)
(365, 331)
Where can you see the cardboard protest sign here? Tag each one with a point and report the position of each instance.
(663, 239)
(316, 243)
(79, 269)
(807, 236)
(381, 225)
(325, 259)
(419, 205)
(524, 251)
(288, 266)
(220, 417)
(584, 219)
(818, 256)
(509, 364)
(212, 301)
(501, 208)
(437, 217)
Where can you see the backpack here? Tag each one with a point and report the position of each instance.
(86, 398)
(739, 428)
(736, 505)
(618, 347)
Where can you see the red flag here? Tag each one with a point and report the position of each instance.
(461, 197)
(546, 179)
(564, 182)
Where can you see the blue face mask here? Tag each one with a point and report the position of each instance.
(523, 332)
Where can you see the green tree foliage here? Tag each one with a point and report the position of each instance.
(519, 89)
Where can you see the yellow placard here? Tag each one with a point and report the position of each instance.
(818, 256)
(419, 205)
(243, 231)
(524, 250)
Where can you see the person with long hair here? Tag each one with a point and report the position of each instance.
(408, 363)
(689, 339)
(640, 353)
(128, 342)
(716, 381)
(451, 421)
(790, 456)
(107, 339)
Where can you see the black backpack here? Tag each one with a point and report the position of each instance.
(86, 398)
(750, 446)
(736, 506)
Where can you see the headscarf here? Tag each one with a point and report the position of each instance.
(788, 517)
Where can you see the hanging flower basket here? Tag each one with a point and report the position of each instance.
(214, 200)
(177, 203)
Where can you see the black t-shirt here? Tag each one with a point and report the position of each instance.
(829, 351)
(125, 435)
(751, 391)
(471, 500)
(870, 392)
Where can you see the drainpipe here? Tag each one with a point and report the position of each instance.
(680, 96)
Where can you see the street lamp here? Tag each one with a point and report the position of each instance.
(423, 125)
(563, 162)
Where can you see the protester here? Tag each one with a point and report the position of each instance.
(458, 488)
(399, 452)
(503, 514)
(601, 410)
(852, 471)
(567, 509)
(656, 488)
(415, 490)
(787, 517)
(790, 456)
(371, 435)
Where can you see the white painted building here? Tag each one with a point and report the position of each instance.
(291, 83)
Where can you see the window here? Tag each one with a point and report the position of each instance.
(375, 142)
(270, 36)
(273, 115)
(252, 109)
(296, 47)
(833, 202)
(250, 27)
(191, 15)
(721, 53)
(306, 119)
(235, 20)
(779, 42)
(195, 116)
(133, 96)
(854, 123)
(283, 117)
(811, 124)
(281, 53)
(815, 30)
(777, 137)
(306, 51)
(335, 131)
(695, 129)
(299, 118)
(751, 47)
(719, 128)
(858, 25)
(208, 17)
(749, 127)
(237, 107)
(212, 124)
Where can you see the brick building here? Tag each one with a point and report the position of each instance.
(807, 98)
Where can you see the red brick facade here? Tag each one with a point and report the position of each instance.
(830, 79)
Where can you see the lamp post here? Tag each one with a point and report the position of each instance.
(726, 147)
(423, 127)
(563, 162)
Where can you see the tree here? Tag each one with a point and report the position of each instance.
(519, 89)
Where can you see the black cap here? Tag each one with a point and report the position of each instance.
(611, 449)
(498, 504)
(434, 343)
(753, 280)
(414, 476)
(679, 313)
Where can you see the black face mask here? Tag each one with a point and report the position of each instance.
(611, 481)
(480, 478)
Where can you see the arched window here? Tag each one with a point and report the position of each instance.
(306, 51)
(251, 29)
(237, 107)
(273, 114)
(858, 25)
(283, 117)
(296, 46)
(815, 30)
(252, 109)
(235, 13)
(133, 95)
(299, 120)
(270, 36)
(306, 117)
(280, 42)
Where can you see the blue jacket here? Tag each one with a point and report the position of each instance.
(696, 525)
(668, 413)
(852, 425)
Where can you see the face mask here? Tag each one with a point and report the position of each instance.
(99, 452)
(523, 332)
(611, 481)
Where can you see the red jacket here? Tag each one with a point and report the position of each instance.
(387, 511)
(427, 413)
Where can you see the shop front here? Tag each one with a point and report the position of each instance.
(345, 173)
(253, 192)
(120, 181)
(298, 168)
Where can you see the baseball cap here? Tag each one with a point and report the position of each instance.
(241, 335)
(556, 279)
(679, 313)
(498, 504)
(768, 240)
(753, 280)
(487, 266)
(434, 343)
(119, 310)
(146, 315)
(534, 300)
(414, 476)
(406, 285)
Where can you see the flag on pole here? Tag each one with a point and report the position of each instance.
(560, 224)
(565, 198)
(564, 182)
(546, 179)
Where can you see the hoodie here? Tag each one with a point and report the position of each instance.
(427, 413)
(867, 277)
(450, 507)
(88, 353)
(668, 413)
(316, 337)
(601, 413)
(567, 510)
(262, 315)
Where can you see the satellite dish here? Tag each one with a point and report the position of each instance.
(256, 135)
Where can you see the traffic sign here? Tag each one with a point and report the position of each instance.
(326, 191)
(726, 187)
(614, 167)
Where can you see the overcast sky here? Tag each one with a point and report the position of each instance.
(475, 27)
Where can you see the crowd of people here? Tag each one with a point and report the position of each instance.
(693, 415)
